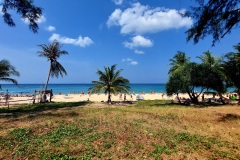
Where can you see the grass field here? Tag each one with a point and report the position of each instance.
(146, 130)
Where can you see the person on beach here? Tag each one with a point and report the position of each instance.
(202, 97)
(120, 96)
(7, 97)
(125, 97)
(163, 95)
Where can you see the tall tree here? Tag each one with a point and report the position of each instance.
(178, 61)
(25, 8)
(216, 77)
(231, 68)
(213, 17)
(7, 70)
(237, 53)
(110, 82)
(192, 76)
(52, 52)
(211, 61)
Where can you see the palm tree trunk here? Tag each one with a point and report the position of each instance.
(45, 88)
(109, 97)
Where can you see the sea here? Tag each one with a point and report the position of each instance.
(79, 88)
(74, 88)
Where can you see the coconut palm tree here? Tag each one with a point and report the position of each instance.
(52, 52)
(110, 82)
(237, 54)
(178, 61)
(231, 69)
(7, 70)
(208, 59)
(213, 64)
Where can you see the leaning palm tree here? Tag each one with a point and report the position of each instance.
(52, 52)
(178, 61)
(110, 82)
(7, 70)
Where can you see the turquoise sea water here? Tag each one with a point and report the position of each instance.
(71, 88)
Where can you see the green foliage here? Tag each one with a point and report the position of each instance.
(178, 61)
(7, 70)
(190, 75)
(110, 82)
(231, 68)
(52, 52)
(213, 17)
(25, 8)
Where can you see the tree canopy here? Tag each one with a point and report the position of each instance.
(7, 70)
(191, 75)
(53, 52)
(110, 82)
(25, 8)
(213, 17)
(231, 69)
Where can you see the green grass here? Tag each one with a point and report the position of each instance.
(147, 130)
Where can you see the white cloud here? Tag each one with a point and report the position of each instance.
(118, 2)
(138, 51)
(140, 19)
(138, 41)
(41, 19)
(130, 61)
(1, 13)
(51, 28)
(80, 41)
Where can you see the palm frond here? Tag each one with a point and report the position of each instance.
(110, 81)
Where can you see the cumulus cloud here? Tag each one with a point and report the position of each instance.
(130, 61)
(138, 51)
(80, 41)
(118, 2)
(41, 19)
(138, 41)
(140, 19)
(51, 28)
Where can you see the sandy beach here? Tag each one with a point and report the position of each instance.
(14, 100)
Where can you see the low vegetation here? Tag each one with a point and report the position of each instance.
(145, 130)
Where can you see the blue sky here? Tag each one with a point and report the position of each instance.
(139, 36)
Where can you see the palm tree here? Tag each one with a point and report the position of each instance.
(231, 69)
(52, 52)
(208, 59)
(237, 54)
(7, 70)
(178, 61)
(110, 82)
(213, 64)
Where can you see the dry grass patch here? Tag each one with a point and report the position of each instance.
(147, 130)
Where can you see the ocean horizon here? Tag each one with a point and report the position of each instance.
(77, 88)
(82, 87)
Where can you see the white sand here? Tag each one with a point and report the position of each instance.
(94, 98)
